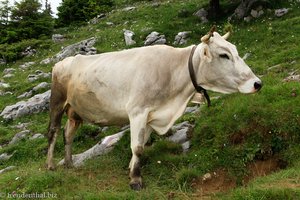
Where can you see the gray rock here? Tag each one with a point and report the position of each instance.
(155, 4)
(155, 38)
(243, 9)
(103, 147)
(35, 104)
(97, 19)
(29, 51)
(2, 62)
(281, 12)
(22, 126)
(8, 75)
(191, 109)
(7, 169)
(84, 47)
(260, 13)
(58, 38)
(256, 13)
(180, 136)
(5, 156)
(180, 132)
(19, 136)
(202, 14)
(8, 93)
(105, 128)
(248, 18)
(128, 37)
(37, 136)
(42, 85)
(130, 8)
(4, 85)
(38, 75)
(290, 78)
(25, 95)
(181, 38)
(109, 23)
(5, 93)
(8, 70)
(186, 146)
(46, 61)
(26, 65)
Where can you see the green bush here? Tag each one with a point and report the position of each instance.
(12, 52)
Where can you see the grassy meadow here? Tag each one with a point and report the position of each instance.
(250, 144)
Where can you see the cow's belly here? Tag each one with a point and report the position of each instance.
(94, 110)
(163, 118)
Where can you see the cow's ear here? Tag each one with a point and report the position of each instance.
(205, 54)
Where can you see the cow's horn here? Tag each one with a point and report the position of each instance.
(228, 29)
(226, 36)
(212, 30)
(206, 37)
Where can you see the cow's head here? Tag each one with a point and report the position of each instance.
(221, 67)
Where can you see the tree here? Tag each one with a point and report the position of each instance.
(214, 9)
(74, 11)
(5, 11)
(29, 21)
(48, 9)
(26, 9)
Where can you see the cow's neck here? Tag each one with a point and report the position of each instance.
(192, 73)
(181, 93)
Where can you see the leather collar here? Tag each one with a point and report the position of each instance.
(193, 77)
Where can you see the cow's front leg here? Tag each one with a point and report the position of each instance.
(139, 133)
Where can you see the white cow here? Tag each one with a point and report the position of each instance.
(149, 87)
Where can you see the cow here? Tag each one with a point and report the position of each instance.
(148, 87)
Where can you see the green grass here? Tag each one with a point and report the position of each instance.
(235, 131)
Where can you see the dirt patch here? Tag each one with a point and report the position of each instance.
(263, 167)
(220, 181)
(212, 183)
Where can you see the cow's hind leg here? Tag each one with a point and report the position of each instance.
(56, 113)
(71, 126)
(139, 133)
(57, 102)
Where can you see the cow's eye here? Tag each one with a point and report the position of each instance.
(224, 56)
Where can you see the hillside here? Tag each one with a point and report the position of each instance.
(242, 147)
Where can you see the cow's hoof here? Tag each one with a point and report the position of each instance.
(136, 186)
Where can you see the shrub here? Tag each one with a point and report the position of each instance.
(12, 52)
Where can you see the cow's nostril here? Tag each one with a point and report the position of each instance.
(258, 85)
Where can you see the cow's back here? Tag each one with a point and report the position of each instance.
(102, 88)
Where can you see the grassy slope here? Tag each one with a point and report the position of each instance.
(268, 121)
